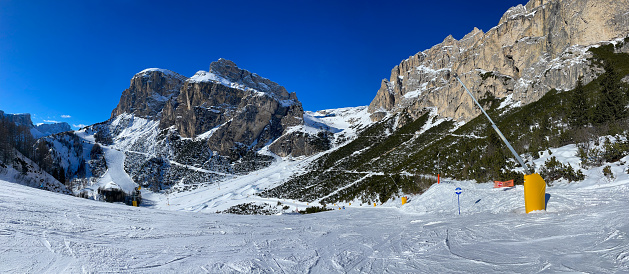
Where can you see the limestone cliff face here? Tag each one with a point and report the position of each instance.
(148, 93)
(22, 119)
(534, 48)
(37, 131)
(232, 106)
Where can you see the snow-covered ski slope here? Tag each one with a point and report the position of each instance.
(585, 229)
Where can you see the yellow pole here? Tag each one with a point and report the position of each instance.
(534, 192)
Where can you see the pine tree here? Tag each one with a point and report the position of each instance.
(611, 102)
(578, 115)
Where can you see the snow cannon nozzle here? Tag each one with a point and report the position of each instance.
(456, 75)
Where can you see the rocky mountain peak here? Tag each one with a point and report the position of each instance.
(20, 119)
(230, 72)
(514, 12)
(536, 47)
(38, 131)
(232, 108)
(148, 93)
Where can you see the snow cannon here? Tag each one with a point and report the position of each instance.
(534, 185)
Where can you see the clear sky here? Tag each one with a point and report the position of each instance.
(70, 60)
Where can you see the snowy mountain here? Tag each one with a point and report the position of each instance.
(226, 142)
(535, 48)
(173, 133)
(525, 73)
(178, 133)
(24, 171)
(43, 130)
(38, 131)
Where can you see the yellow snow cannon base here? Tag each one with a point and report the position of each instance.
(534, 192)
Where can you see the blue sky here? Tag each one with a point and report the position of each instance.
(70, 60)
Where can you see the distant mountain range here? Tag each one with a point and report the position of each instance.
(40, 130)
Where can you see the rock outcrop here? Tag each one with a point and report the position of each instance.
(21, 119)
(148, 93)
(232, 108)
(533, 49)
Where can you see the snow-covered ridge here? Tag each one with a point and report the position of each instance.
(42, 130)
(149, 70)
(129, 130)
(205, 77)
(26, 172)
(166, 72)
(342, 122)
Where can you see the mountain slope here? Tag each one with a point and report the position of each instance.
(533, 49)
(47, 232)
(169, 131)
(24, 171)
(412, 143)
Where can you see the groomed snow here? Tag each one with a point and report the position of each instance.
(585, 229)
(115, 171)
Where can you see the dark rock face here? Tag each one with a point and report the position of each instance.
(300, 143)
(232, 73)
(258, 121)
(242, 109)
(201, 107)
(231, 108)
(148, 93)
(22, 119)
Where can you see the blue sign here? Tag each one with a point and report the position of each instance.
(458, 193)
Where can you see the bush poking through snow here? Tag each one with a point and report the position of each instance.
(554, 170)
(314, 209)
(607, 171)
(614, 151)
(251, 209)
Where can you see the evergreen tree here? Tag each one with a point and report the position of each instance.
(578, 115)
(611, 102)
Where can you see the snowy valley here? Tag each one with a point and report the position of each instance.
(218, 172)
(584, 229)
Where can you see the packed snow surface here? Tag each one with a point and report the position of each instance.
(585, 229)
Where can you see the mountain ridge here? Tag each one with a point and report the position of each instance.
(174, 133)
(534, 48)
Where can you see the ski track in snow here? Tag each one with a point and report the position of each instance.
(115, 170)
(584, 230)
